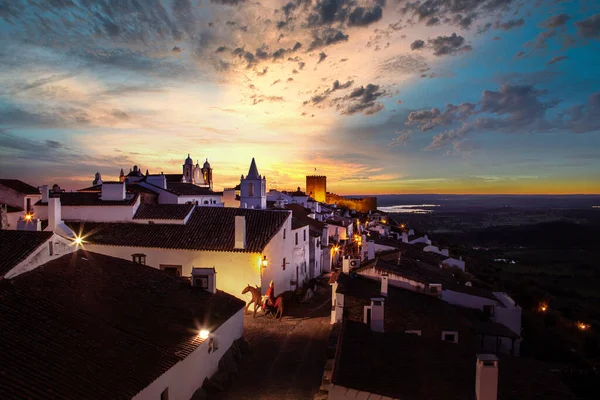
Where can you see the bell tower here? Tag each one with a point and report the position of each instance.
(253, 189)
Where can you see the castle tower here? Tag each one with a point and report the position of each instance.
(253, 189)
(316, 187)
(188, 170)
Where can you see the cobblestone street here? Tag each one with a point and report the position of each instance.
(286, 357)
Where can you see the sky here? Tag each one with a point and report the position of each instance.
(384, 96)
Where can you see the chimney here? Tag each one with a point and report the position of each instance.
(373, 314)
(54, 212)
(204, 278)
(113, 191)
(384, 285)
(240, 232)
(44, 190)
(486, 377)
(404, 237)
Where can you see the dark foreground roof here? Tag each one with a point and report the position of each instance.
(89, 326)
(91, 199)
(208, 228)
(19, 186)
(133, 187)
(15, 246)
(163, 211)
(408, 366)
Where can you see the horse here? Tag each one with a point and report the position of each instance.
(276, 309)
(256, 298)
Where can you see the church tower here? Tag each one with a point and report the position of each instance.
(207, 175)
(188, 170)
(253, 189)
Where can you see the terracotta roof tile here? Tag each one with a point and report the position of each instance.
(15, 246)
(19, 186)
(163, 211)
(412, 367)
(91, 199)
(89, 326)
(208, 228)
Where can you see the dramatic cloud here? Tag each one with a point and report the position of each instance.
(328, 37)
(446, 45)
(513, 23)
(511, 109)
(556, 59)
(322, 57)
(363, 17)
(318, 98)
(556, 21)
(361, 100)
(417, 44)
(589, 28)
(584, 117)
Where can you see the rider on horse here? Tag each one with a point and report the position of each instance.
(269, 296)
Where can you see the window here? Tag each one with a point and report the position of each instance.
(51, 248)
(201, 281)
(296, 238)
(451, 337)
(139, 258)
(251, 189)
(205, 201)
(304, 235)
(283, 264)
(174, 270)
(489, 310)
(165, 394)
(283, 233)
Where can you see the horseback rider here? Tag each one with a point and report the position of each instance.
(269, 296)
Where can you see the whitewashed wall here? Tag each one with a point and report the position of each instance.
(92, 213)
(60, 247)
(185, 377)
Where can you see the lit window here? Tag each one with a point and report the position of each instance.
(251, 189)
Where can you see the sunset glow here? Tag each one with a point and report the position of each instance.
(497, 98)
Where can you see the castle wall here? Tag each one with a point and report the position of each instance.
(363, 204)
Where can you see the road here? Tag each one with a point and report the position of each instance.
(287, 357)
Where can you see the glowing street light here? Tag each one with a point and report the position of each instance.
(78, 240)
(583, 326)
(264, 262)
(543, 307)
(28, 217)
(204, 333)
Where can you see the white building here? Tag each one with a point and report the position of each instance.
(253, 189)
(245, 246)
(18, 198)
(93, 326)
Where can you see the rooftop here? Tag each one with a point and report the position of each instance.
(189, 189)
(16, 246)
(91, 199)
(208, 228)
(408, 366)
(129, 187)
(19, 186)
(90, 326)
(163, 211)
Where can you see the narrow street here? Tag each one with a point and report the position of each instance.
(286, 357)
